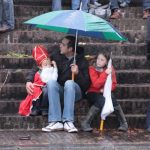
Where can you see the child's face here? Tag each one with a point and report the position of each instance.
(46, 63)
(101, 61)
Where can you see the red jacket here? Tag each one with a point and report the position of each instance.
(98, 80)
(26, 105)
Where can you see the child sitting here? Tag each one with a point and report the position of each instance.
(98, 75)
(47, 71)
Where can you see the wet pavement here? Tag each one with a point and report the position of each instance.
(135, 139)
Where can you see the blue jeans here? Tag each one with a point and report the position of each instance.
(76, 5)
(146, 4)
(56, 5)
(70, 93)
(7, 13)
(114, 4)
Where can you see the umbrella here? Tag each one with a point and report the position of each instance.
(77, 22)
(73, 21)
(108, 106)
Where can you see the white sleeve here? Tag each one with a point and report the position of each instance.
(55, 74)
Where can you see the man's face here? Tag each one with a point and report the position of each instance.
(64, 49)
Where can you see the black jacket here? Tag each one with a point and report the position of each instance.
(64, 70)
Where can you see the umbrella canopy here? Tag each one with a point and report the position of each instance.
(108, 106)
(77, 22)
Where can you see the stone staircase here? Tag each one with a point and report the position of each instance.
(129, 59)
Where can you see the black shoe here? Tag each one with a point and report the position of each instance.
(44, 113)
(35, 113)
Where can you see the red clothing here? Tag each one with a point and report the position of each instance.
(26, 104)
(98, 79)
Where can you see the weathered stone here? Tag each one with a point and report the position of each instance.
(117, 49)
(123, 76)
(123, 91)
(43, 36)
(129, 106)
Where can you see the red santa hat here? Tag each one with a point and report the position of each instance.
(39, 54)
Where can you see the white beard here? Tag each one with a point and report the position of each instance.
(47, 74)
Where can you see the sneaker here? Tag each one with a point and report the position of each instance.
(5, 29)
(124, 4)
(97, 4)
(69, 127)
(53, 126)
(94, 5)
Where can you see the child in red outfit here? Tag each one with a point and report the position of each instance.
(47, 71)
(98, 75)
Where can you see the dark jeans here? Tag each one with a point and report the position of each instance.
(148, 117)
(146, 4)
(98, 100)
(114, 4)
(42, 103)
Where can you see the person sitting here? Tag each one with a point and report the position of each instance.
(47, 70)
(65, 90)
(98, 76)
(114, 5)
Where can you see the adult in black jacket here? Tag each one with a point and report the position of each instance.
(65, 89)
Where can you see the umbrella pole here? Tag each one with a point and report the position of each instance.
(75, 51)
(101, 125)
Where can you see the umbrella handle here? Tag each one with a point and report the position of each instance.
(101, 125)
(73, 76)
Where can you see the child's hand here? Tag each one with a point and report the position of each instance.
(29, 88)
(54, 64)
(108, 70)
(101, 90)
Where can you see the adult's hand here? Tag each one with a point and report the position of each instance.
(74, 69)
(29, 88)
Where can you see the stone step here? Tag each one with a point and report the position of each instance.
(17, 122)
(133, 76)
(128, 91)
(133, 91)
(43, 36)
(119, 62)
(117, 49)
(121, 24)
(34, 10)
(123, 76)
(129, 106)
